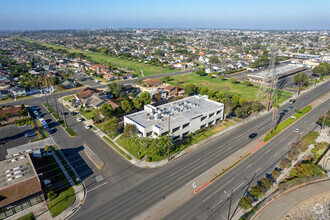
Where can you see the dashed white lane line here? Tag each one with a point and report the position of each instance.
(192, 171)
(289, 143)
(184, 167)
(217, 190)
(217, 204)
(275, 155)
(267, 151)
(97, 187)
(249, 166)
(258, 170)
(238, 186)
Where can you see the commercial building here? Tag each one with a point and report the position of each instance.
(20, 187)
(180, 117)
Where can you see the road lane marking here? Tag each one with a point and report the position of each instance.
(97, 187)
(218, 189)
(249, 165)
(258, 170)
(185, 167)
(239, 186)
(275, 155)
(267, 151)
(289, 143)
(192, 171)
(217, 204)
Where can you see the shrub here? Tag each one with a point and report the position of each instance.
(284, 163)
(51, 195)
(245, 202)
(129, 131)
(276, 174)
(47, 148)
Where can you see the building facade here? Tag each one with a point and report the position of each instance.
(177, 118)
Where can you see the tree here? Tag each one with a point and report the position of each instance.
(200, 72)
(129, 131)
(284, 163)
(235, 99)
(214, 59)
(145, 98)
(106, 110)
(211, 93)
(126, 106)
(266, 183)
(301, 79)
(204, 91)
(242, 101)
(323, 69)
(137, 103)
(96, 115)
(191, 89)
(7, 115)
(233, 80)
(51, 195)
(238, 112)
(247, 83)
(115, 89)
(276, 173)
(210, 75)
(245, 202)
(111, 126)
(18, 113)
(257, 191)
(229, 106)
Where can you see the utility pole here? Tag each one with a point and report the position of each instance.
(168, 134)
(323, 121)
(231, 197)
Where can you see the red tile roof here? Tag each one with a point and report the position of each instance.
(152, 82)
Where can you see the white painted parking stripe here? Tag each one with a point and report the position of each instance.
(97, 187)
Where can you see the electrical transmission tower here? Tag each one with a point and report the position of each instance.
(269, 86)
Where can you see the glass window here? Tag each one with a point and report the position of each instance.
(25, 205)
(18, 208)
(2, 215)
(33, 201)
(39, 198)
(9, 212)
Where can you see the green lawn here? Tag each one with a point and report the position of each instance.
(68, 98)
(29, 216)
(88, 114)
(287, 122)
(116, 61)
(61, 202)
(56, 116)
(217, 84)
(117, 148)
(71, 132)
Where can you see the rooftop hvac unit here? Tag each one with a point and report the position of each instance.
(10, 179)
(23, 157)
(29, 150)
(9, 174)
(19, 171)
(15, 155)
(17, 168)
(14, 160)
(18, 176)
(8, 171)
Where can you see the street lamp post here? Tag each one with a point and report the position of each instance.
(231, 197)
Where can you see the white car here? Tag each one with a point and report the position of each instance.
(88, 127)
(290, 107)
(296, 130)
(79, 119)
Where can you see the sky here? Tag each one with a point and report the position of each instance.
(233, 14)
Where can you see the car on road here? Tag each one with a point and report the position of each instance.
(291, 101)
(296, 130)
(30, 134)
(88, 127)
(253, 135)
(79, 119)
(290, 107)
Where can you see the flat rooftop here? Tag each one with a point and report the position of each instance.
(15, 170)
(179, 111)
(279, 70)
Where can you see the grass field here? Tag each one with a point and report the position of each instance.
(68, 98)
(116, 61)
(117, 148)
(217, 84)
(88, 114)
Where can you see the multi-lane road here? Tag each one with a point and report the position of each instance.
(158, 186)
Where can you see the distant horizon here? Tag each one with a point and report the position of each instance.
(22, 15)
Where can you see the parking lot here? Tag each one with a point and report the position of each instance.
(13, 136)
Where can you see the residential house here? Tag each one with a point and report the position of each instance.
(17, 91)
(128, 88)
(153, 82)
(85, 93)
(109, 76)
(174, 90)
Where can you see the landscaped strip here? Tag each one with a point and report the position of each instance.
(117, 148)
(71, 132)
(29, 216)
(287, 122)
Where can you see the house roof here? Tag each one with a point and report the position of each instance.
(114, 105)
(152, 82)
(95, 101)
(170, 88)
(85, 93)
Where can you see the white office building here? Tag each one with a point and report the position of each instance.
(180, 117)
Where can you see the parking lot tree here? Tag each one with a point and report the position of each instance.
(245, 202)
(111, 126)
(115, 89)
(106, 110)
(137, 103)
(129, 131)
(145, 98)
(127, 106)
(301, 79)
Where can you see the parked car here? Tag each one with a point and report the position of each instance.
(79, 119)
(290, 107)
(291, 101)
(30, 134)
(88, 127)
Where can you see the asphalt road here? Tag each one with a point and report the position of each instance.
(142, 195)
(213, 201)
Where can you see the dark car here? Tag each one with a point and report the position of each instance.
(253, 135)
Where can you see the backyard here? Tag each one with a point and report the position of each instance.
(248, 92)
